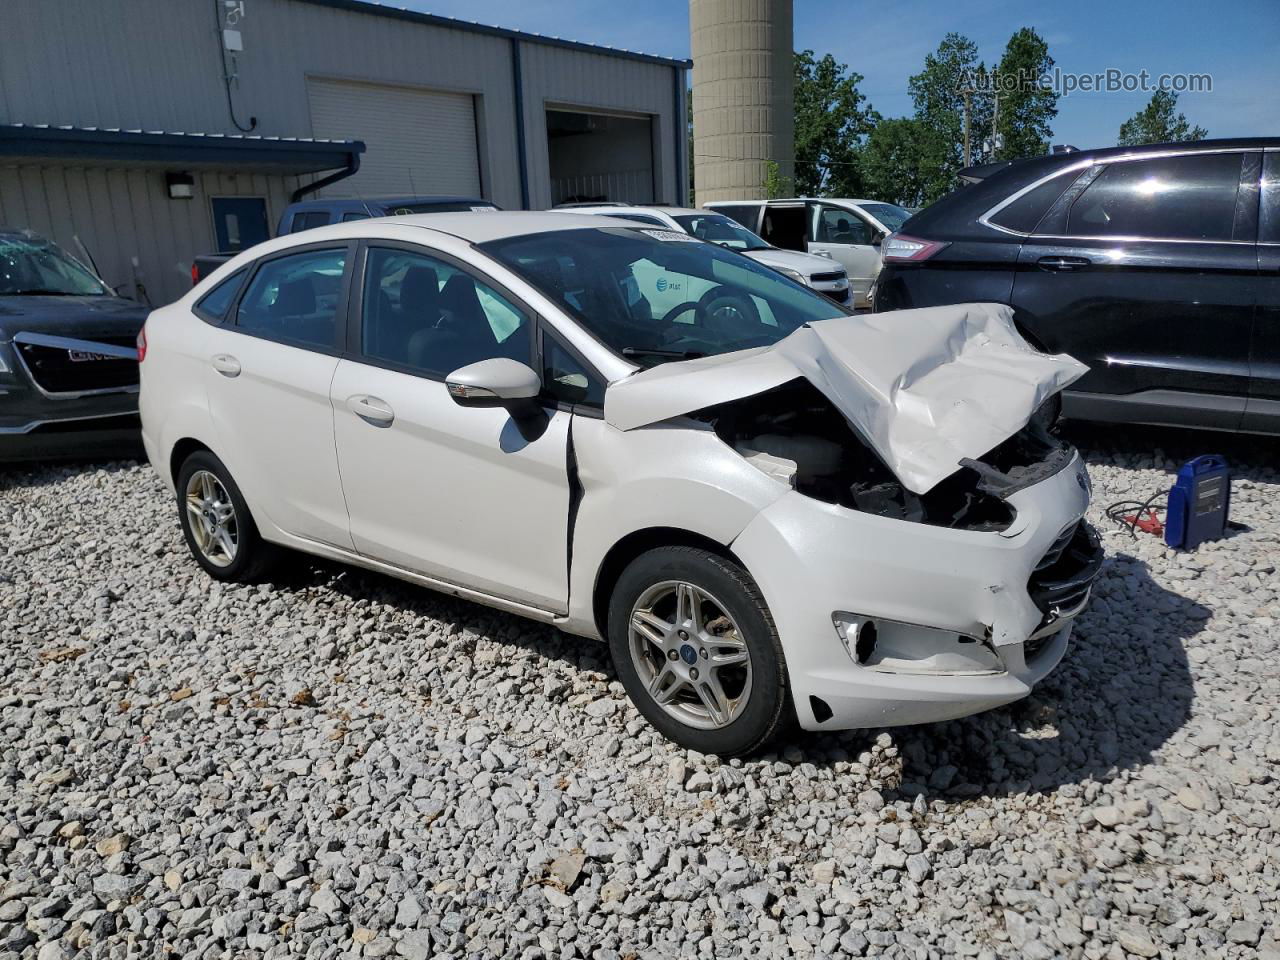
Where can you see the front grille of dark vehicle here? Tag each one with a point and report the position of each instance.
(1062, 584)
(826, 277)
(125, 421)
(59, 370)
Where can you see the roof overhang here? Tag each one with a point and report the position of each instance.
(140, 148)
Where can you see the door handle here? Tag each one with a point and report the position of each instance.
(371, 410)
(1063, 264)
(226, 365)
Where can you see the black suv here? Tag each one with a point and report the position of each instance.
(1158, 266)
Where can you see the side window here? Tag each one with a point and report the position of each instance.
(565, 378)
(215, 304)
(354, 215)
(308, 220)
(747, 214)
(1025, 213)
(1269, 211)
(295, 298)
(1167, 198)
(836, 225)
(422, 313)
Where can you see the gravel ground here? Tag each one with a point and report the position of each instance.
(339, 764)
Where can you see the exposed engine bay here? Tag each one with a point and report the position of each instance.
(796, 435)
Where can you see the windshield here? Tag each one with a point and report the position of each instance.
(657, 295)
(890, 214)
(720, 229)
(32, 265)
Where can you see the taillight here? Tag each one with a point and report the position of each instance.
(195, 274)
(900, 248)
(142, 343)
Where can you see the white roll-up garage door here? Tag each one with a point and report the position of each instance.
(417, 142)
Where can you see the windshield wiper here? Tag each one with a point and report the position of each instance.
(665, 354)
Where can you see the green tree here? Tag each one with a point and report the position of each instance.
(1026, 107)
(1159, 122)
(900, 162)
(832, 121)
(937, 92)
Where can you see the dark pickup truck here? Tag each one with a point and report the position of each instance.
(321, 213)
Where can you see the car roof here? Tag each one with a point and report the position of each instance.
(481, 227)
(359, 202)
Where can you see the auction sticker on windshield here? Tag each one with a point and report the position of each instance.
(670, 236)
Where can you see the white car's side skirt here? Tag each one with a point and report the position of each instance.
(412, 576)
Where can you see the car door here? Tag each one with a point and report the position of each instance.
(460, 494)
(1262, 412)
(850, 240)
(1143, 269)
(269, 367)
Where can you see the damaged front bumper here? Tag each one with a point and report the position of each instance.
(962, 620)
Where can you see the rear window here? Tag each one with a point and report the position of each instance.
(1025, 213)
(309, 220)
(215, 304)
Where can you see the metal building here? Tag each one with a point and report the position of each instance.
(743, 96)
(146, 132)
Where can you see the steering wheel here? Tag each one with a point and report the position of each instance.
(718, 304)
(678, 309)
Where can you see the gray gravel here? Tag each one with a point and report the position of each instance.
(338, 764)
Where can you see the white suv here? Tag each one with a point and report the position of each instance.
(819, 273)
(846, 230)
(763, 504)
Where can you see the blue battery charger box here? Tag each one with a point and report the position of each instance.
(1199, 503)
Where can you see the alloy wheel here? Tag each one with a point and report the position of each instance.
(690, 655)
(212, 518)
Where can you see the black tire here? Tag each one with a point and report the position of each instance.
(767, 707)
(253, 557)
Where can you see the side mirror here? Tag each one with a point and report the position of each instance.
(876, 239)
(496, 382)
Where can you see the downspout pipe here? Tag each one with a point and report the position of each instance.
(352, 167)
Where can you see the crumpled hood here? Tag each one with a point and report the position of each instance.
(924, 388)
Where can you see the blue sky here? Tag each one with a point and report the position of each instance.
(1237, 42)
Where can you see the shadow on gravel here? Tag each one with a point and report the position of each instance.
(1122, 690)
(463, 616)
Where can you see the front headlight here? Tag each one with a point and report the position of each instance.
(795, 275)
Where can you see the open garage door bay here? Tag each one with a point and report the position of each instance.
(418, 142)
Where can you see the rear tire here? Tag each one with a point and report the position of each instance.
(217, 524)
(697, 650)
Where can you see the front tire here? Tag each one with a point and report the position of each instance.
(217, 524)
(696, 648)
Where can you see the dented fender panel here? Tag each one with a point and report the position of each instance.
(926, 389)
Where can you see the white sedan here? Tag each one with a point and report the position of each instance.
(767, 507)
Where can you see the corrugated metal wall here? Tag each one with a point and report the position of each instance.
(570, 78)
(157, 65)
(120, 214)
